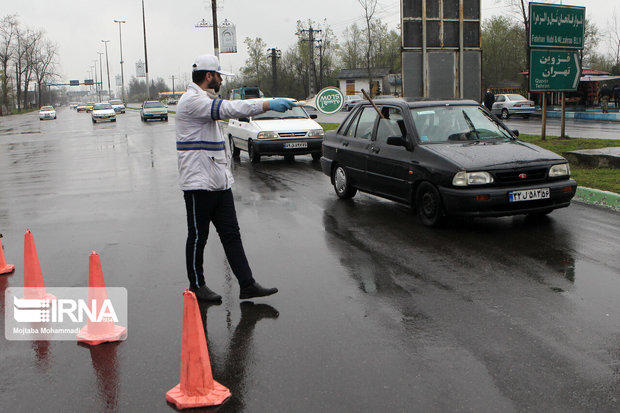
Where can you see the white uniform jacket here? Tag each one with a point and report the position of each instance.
(201, 148)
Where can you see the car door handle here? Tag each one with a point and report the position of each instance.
(345, 143)
(374, 149)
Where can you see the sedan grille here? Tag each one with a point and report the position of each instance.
(291, 134)
(526, 175)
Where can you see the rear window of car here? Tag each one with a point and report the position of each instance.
(516, 97)
(451, 124)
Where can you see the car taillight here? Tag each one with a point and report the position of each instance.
(517, 105)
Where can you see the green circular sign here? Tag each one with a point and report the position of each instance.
(329, 100)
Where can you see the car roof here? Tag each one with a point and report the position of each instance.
(425, 102)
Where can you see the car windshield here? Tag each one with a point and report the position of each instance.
(295, 113)
(47, 108)
(116, 102)
(153, 105)
(449, 124)
(516, 97)
(99, 106)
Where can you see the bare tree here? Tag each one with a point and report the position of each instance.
(350, 52)
(8, 26)
(43, 66)
(613, 38)
(369, 7)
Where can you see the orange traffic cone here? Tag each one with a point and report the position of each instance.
(34, 287)
(197, 387)
(97, 332)
(4, 267)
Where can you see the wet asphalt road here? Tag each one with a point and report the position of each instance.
(375, 312)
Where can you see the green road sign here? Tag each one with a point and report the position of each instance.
(554, 70)
(556, 26)
(329, 100)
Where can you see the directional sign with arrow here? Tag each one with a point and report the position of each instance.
(554, 70)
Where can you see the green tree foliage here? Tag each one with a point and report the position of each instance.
(137, 89)
(503, 55)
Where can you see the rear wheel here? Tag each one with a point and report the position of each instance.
(505, 114)
(289, 158)
(254, 156)
(429, 205)
(526, 115)
(342, 186)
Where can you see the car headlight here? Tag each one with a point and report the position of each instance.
(267, 135)
(316, 133)
(559, 170)
(463, 178)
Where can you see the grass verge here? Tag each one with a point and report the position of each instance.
(597, 178)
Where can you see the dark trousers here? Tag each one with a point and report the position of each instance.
(204, 207)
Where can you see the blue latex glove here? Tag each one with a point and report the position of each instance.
(281, 105)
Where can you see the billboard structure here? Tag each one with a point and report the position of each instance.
(441, 54)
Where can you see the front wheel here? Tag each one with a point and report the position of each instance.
(429, 205)
(342, 186)
(505, 114)
(235, 151)
(254, 156)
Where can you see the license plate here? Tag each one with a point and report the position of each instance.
(529, 195)
(293, 145)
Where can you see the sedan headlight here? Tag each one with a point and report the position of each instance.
(316, 133)
(463, 178)
(559, 170)
(268, 135)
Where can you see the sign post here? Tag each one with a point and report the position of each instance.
(555, 35)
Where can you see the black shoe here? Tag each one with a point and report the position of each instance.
(205, 294)
(255, 290)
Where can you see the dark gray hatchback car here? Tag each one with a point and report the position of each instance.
(445, 158)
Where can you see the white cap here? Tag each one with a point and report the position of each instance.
(209, 63)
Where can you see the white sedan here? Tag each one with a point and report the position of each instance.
(103, 111)
(291, 133)
(47, 112)
(512, 104)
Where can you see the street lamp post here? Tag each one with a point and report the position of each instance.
(107, 66)
(146, 59)
(101, 75)
(97, 88)
(172, 77)
(121, 44)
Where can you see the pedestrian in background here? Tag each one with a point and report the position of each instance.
(617, 95)
(605, 94)
(489, 99)
(205, 176)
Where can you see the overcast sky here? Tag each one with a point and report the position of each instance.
(78, 27)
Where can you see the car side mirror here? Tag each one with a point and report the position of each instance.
(313, 116)
(244, 120)
(397, 141)
(515, 132)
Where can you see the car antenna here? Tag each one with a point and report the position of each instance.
(372, 103)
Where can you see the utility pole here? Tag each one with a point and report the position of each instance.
(275, 54)
(146, 59)
(312, 69)
(121, 43)
(172, 77)
(320, 47)
(100, 76)
(216, 43)
(107, 66)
